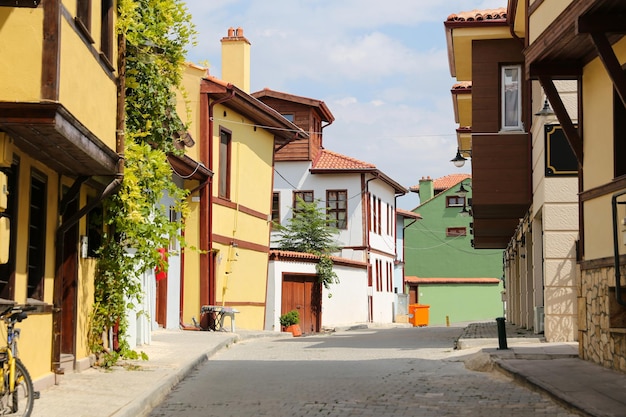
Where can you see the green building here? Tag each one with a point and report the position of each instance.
(443, 270)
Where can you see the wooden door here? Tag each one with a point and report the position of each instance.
(70, 282)
(304, 294)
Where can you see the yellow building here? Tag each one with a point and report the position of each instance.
(58, 157)
(583, 40)
(230, 215)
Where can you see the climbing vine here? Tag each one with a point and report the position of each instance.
(156, 33)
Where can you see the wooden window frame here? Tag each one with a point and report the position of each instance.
(275, 208)
(37, 225)
(224, 167)
(453, 201)
(456, 231)
(333, 213)
(307, 195)
(107, 31)
(505, 102)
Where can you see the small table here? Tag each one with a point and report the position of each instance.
(221, 312)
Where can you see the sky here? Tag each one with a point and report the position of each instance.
(380, 67)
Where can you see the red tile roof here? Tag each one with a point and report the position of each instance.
(285, 255)
(332, 160)
(418, 280)
(443, 183)
(409, 214)
(478, 15)
(463, 85)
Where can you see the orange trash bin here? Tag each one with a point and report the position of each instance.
(418, 314)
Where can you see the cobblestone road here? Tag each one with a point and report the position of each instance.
(375, 372)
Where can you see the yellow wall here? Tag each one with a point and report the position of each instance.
(191, 94)
(20, 51)
(462, 44)
(598, 151)
(85, 89)
(191, 305)
(545, 14)
(251, 187)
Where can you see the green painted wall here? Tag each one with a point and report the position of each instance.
(430, 253)
(461, 303)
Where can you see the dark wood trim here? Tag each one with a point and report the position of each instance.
(617, 184)
(601, 23)
(534, 6)
(243, 244)
(51, 50)
(611, 63)
(83, 30)
(243, 209)
(253, 213)
(571, 132)
(379, 252)
(223, 202)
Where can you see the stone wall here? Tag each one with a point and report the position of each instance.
(601, 340)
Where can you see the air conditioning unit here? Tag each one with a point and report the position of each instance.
(539, 320)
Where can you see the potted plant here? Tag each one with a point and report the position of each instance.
(289, 322)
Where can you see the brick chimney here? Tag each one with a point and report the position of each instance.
(236, 59)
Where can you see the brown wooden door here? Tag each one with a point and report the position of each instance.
(303, 293)
(70, 282)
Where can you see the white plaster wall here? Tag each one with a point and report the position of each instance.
(347, 305)
(296, 176)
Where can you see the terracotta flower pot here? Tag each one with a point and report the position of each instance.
(295, 330)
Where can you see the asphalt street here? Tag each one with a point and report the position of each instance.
(367, 372)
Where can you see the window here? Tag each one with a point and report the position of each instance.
(95, 230)
(83, 13)
(378, 216)
(337, 208)
(37, 236)
(306, 196)
(511, 97)
(276, 208)
(455, 201)
(224, 164)
(289, 117)
(106, 29)
(7, 270)
(456, 231)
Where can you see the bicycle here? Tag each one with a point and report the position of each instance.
(17, 395)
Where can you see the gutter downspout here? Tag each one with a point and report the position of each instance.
(75, 218)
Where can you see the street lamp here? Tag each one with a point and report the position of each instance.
(458, 160)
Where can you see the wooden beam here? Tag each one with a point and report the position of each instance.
(562, 70)
(601, 23)
(51, 50)
(611, 63)
(571, 132)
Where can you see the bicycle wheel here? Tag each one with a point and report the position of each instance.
(22, 398)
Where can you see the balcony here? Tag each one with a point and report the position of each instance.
(501, 186)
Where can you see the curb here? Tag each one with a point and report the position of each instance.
(143, 404)
(537, 386)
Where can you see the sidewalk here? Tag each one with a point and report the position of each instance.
(132, 393)
(552, 368)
